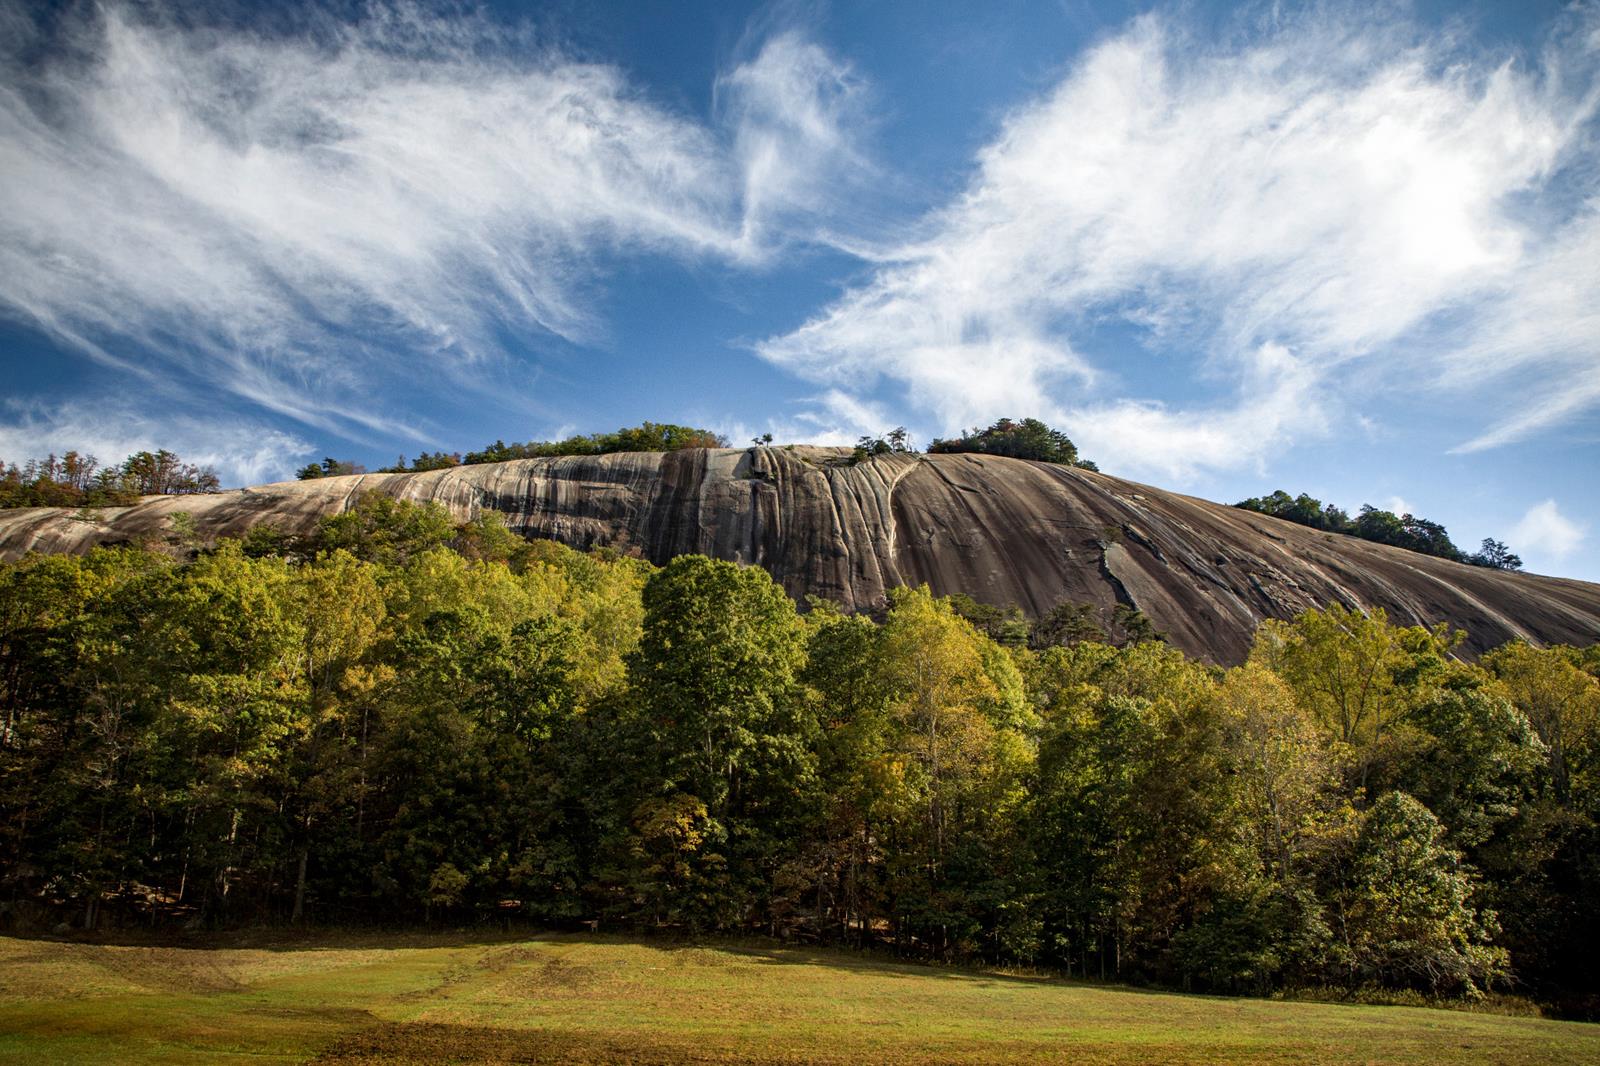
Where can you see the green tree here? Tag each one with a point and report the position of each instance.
(1027, 439)
(1303, 510)
(1495, 555)
(648, 437)
(326, 790)
(715, 668)
(1406, 916)
(1133, 812)
(385, 530)
(838, 877)
(329, 467)
(1356, 673)
(485, 537)
(1287, 772)
(79, 698)
(1267, 925)
(1561, 701)
(423, 462)
(956, 708)
(1472, 759)
(1068, 623)
(163, 473)
(469, 770)
(1003, 625)
(1545, 872)
(77, 480)
(714, 684)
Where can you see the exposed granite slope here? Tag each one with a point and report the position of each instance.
(1002, 530)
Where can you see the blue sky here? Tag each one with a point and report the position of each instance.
(1346, 249)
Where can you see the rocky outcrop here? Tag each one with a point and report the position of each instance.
(1003, 531)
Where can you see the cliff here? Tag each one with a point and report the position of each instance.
(1004, 531)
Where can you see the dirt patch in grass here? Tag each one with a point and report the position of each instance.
(425, 1042)
(339, 1016)
(172, 970)
(564, 975)
(701, 957)
(408, 1043)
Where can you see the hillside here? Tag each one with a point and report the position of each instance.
(564, 999)
(1004, 531)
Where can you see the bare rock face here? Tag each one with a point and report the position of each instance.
(1004, 531)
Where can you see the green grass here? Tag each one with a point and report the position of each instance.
(366, 999)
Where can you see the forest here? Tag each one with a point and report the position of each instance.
(1028, 438)
(77, 479)
(401, 720)
(1381, 527)
(646, 437)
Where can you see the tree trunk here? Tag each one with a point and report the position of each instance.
(300, 889)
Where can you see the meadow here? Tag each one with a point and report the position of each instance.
(566, 998)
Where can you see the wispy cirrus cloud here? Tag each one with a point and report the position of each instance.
(1263, 211)
(834, 418)
(242, 451)
(295, 219)
(1278, 399)
(796, 113)
(1538, 339)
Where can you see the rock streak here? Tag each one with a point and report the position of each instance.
(1004, 531)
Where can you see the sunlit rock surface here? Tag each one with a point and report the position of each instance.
(1001, 530)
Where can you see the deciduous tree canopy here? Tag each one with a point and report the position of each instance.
(401, 719)
(1382, 527)
(1027, 439)
(78, 480)
(648, 437)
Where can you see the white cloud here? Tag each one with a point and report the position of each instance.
(1544, 530)
(1277, 402)
(833, 418)
(242, 451)
(297, 220)
(1539, 340)
(797, 114)
(1329, 190)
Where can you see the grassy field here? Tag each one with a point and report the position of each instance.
(570, 999)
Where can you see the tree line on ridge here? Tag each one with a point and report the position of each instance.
(77, 479)
(1381, 527)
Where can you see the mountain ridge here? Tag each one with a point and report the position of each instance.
(1004, 531)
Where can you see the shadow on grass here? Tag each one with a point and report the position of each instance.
(285, 938)
(430, 1042)
(876, 961)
